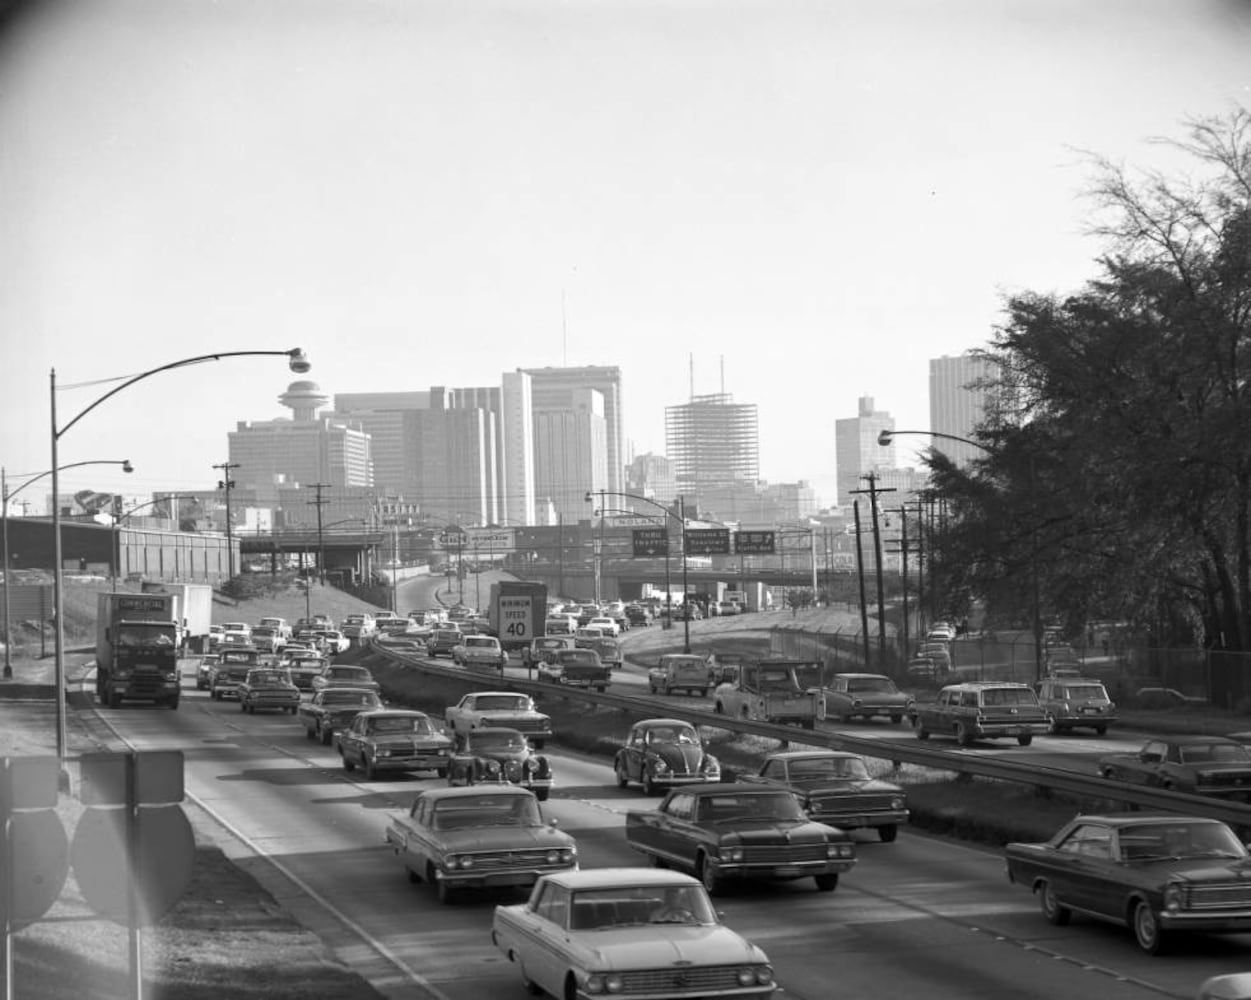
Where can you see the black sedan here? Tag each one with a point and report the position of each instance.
(496, 755)
(1200, 765)
(1158, 875)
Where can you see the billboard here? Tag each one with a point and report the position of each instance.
(649, 542)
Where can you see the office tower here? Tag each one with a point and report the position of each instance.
(304, 449)
(517, 440)
(856, 451)
(571, 453)
(651, 476)
(713, 442)
(552, 389)
(959, 401)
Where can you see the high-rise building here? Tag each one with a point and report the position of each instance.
(651, 476)
(571, 453)
(304, 449)
(856, 451)
(552, 389)
(959, 401)
(713, 442)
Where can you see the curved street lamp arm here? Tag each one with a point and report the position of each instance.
(299, 364)
(123, 462)
(886, 437)
(590, 494)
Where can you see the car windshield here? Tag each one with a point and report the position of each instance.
(349, 674)
(1179, 839)
(777, 680)
(764, 806)
(482, 641)
(501, 703)
(1088, 692)
(635, 906)
(583, 657)
(365, 699)
(388, 724)
(1009, 696)
(829, 767)
(672, 734)
(1208, 753)
(267, 677)
(492, 810)
(877, 685)
(484, 739)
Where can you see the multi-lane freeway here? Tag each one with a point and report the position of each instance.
(921, 916)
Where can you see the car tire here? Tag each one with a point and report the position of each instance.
(1148, 933)
(1052, 909)
(718, 709)
(444, 891)
(1053, 727)
(963, 736)
(115, 700)
(896, 719)
(827, 882)
(623, 779)
(440, 772)
(310, 734)
(326, 737)
(708, 874)
(1101, 730)
(371, 772)
(348, 765)
(243, 706)
(888, 834)
(703, 692)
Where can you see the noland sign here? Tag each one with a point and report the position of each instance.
(708, 541)
(754, 542)
(650, 542)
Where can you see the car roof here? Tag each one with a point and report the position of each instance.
(981, 685)
(1136, 819)
(492, 730)
(475, 791)
(408, 713)
(731, 788)
(607, 878)
(875, 676)
(1190, 739)
(648, 723)
(810, 754)
(515, 694)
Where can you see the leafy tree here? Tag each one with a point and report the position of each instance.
(1117, 471)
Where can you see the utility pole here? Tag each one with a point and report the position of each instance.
(228, 484)
(864, 607)
(873, 491)
(320, 502)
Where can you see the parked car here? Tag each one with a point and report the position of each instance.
(631, 931)
(393, 739)
(661, 753)
(345, 675)
(865, 695)
(478, 837)
(332, 710)
(1075, 703)
(687, 672)
(1200, 765)
(1166, 698)
(727, 831)
(1158, 875)
(836, 788)
(268, 689)
(498, 754)
(480, 709)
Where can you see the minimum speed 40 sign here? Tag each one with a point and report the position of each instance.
(516, 618)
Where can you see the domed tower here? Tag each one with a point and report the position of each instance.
(304, 399)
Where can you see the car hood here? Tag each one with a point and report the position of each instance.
(1198, 870)
(431, 742)
(668, 945)
(770, 831)
(510, 720)
(844, 786)
(499, 838)
(502, 756)
(679, 757)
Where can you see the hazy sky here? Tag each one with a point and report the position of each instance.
(813, 198)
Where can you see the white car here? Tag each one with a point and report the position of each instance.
(336, 641)
(627, 931)
(606, 625)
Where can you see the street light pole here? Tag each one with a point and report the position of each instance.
(227, 484)
(298, 363)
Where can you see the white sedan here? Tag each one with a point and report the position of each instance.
(608, 626)
(628, 931)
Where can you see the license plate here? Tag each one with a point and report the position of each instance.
(787, 870)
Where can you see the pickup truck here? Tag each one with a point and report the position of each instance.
(787, 691)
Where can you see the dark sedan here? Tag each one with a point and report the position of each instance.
(1200, 765)
(729, 831)
(499, 755)
(1158, 875)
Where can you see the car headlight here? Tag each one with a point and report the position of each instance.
(604, 982)
(383, 752)
(898, 802)
(659, 766)
(733, 854)
(839, 851)
(492, 768)
(1174, 897)
(764, 976)
(855, 702)
(712, 765)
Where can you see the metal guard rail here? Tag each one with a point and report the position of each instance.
(1089, 786)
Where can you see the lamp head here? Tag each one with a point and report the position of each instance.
(885, 438)
(299, 362)
(127, 467)
(588, 497)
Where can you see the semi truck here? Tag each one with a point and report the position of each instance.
(137, 648)
(194, 611)
(517, 612)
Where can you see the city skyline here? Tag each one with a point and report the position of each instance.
(796, 203)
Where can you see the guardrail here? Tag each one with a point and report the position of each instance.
(1046, 778)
